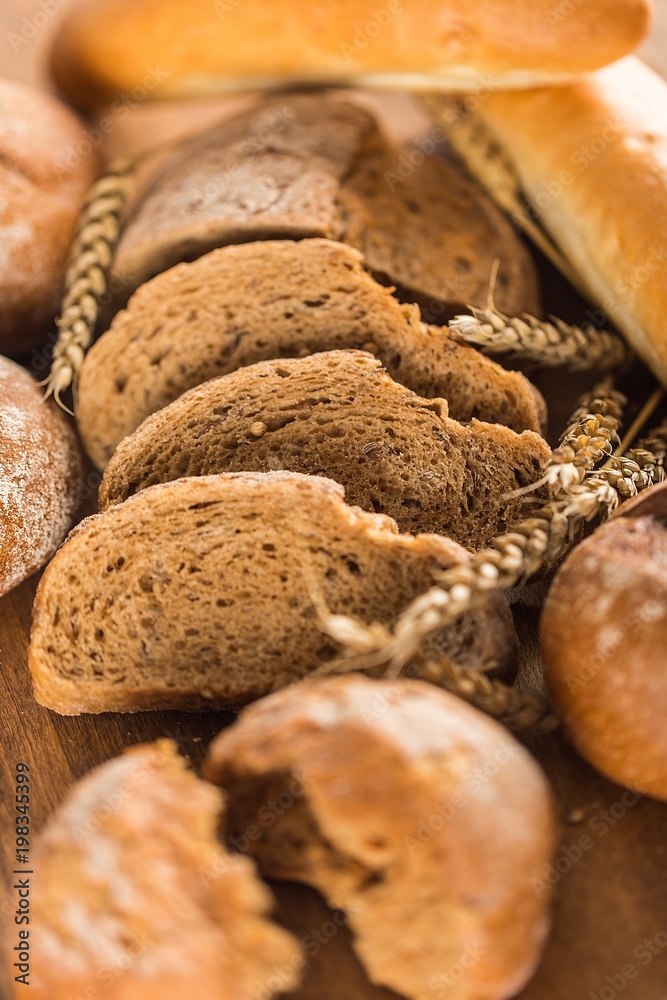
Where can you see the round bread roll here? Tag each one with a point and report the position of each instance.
(168, 48)
(40, 476)
(46, 167)
(422, 818)
(603, 637)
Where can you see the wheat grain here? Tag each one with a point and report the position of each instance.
(548, 344)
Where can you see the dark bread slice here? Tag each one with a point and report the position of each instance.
(307, 165)
(340, 415)
(201, 594)
(136, 892)
(430, 230)
(247, 303)
(424, 819)
(271, 172)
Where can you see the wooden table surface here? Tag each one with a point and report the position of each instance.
(610, 914)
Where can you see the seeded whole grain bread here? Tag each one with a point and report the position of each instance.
(339, 414)
(247, 303)
(422, 818)
(136, 892)
(205, 593)
(308, 165)
(41, 476)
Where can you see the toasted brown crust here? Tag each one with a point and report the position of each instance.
(202, 593)
(578, 151)
(46, 166)
(135, 890)
(423, 818)
(317, 166)
(105, 47)
(340, 415)
(242, 304)
(41, 476)
(602, 637)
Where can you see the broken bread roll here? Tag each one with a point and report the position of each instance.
(276, 299)
(41, 476)
(590, 159)
(340, 415)
(105, 46)
(135, 890)
(210, 592)
(602, 639)
(313, 165)
(422, 818)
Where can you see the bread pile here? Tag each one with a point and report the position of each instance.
(295, 447)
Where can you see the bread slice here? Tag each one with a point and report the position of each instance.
(340, 415)
(202, 593)
(271, 172)
(422, 818)
(276, 299)
(134, 890)
(424, 226)
(312, 165)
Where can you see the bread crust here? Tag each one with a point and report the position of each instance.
(602, 637)
(104, 48)
(46, 167)
(205, 593)
(137, 898)
(276, 299)
(591, 158)
(340, 415)
(41, 476)
(387, 818)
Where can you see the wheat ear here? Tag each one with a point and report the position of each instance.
(548, 344)
(87, 275)
(510, 560)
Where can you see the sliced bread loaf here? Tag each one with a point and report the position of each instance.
(277, 299)
(202, 593)
(314, 165)
(417, 814)
(340, 415)
(135, 892)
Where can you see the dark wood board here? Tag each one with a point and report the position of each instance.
(610, 914)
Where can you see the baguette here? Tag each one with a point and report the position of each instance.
(106, 47)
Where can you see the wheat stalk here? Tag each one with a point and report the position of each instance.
(87, 275)
(510, 560)
(548, 344)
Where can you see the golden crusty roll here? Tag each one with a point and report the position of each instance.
(603, 645)
(591, 159)
(169, 48)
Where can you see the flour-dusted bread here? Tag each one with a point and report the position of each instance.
(41, 475)
(603, 636)
(46, 166)
(313, 166)
(276, 299)
(135, 892)
(422, 818)
(202, 593)
(340, 415)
